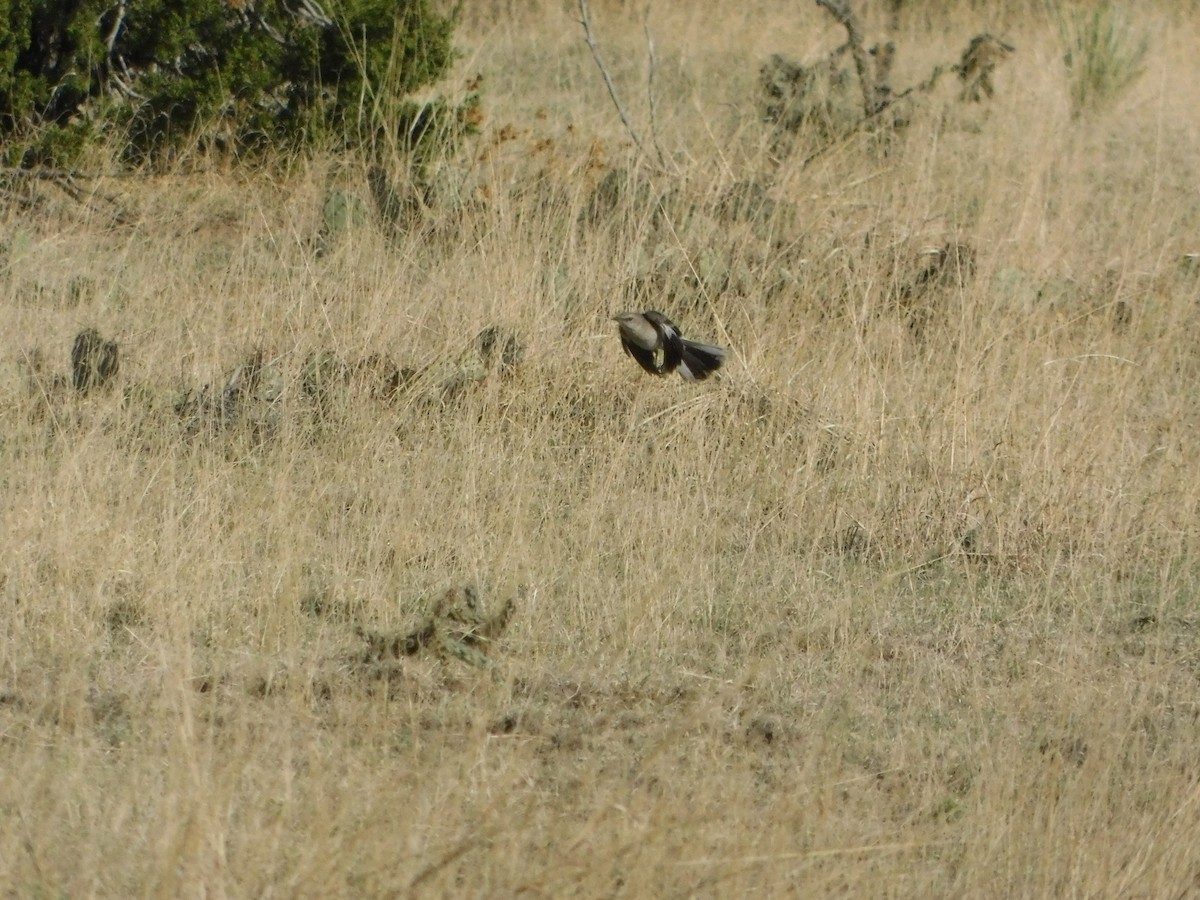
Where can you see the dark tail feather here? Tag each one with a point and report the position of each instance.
(700, 360)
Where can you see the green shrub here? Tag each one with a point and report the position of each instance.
(171, 74)
(1103, 54)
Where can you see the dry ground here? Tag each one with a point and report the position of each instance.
(903, 604)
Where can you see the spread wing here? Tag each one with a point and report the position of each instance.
(672, 350)
(672, 341)
(644, 357)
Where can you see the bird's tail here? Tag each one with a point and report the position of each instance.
(700, 360)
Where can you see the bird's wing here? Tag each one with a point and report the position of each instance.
(672, 340)
(672, 349)
(644, 357)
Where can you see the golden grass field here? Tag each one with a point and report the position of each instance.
(902, 604)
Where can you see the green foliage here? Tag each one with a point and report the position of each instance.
(344, 212)
(1103, 54)
(168, 74)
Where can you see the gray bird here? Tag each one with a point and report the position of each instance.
(646, 335)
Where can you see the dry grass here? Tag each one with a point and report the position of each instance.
(903, 604)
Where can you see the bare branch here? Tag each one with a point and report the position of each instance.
(118, 21)
(612, 90)
(65, 180)
(840, 10)
(652, 64)
(122, 86)
(311, 12)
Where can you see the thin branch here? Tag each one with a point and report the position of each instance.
(118, 21)
(57, 174)
(923, 87)
(65, 181)
(840, 10)
(311, 12)
(612, 90)
(652, 65)
(123, 87)
(839, 142)
(255, 19)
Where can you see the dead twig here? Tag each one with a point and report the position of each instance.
(978, 63)
(873, 99)
(454, 853)
(66, 181)
(118, 20)
(586, 21)
(652, 64)
(867, 120)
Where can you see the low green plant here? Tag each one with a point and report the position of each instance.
(1103, 53)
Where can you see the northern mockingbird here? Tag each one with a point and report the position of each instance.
(645, 334)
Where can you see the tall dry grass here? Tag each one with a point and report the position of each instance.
(903, 604)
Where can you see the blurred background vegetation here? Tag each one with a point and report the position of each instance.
(148, 80)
